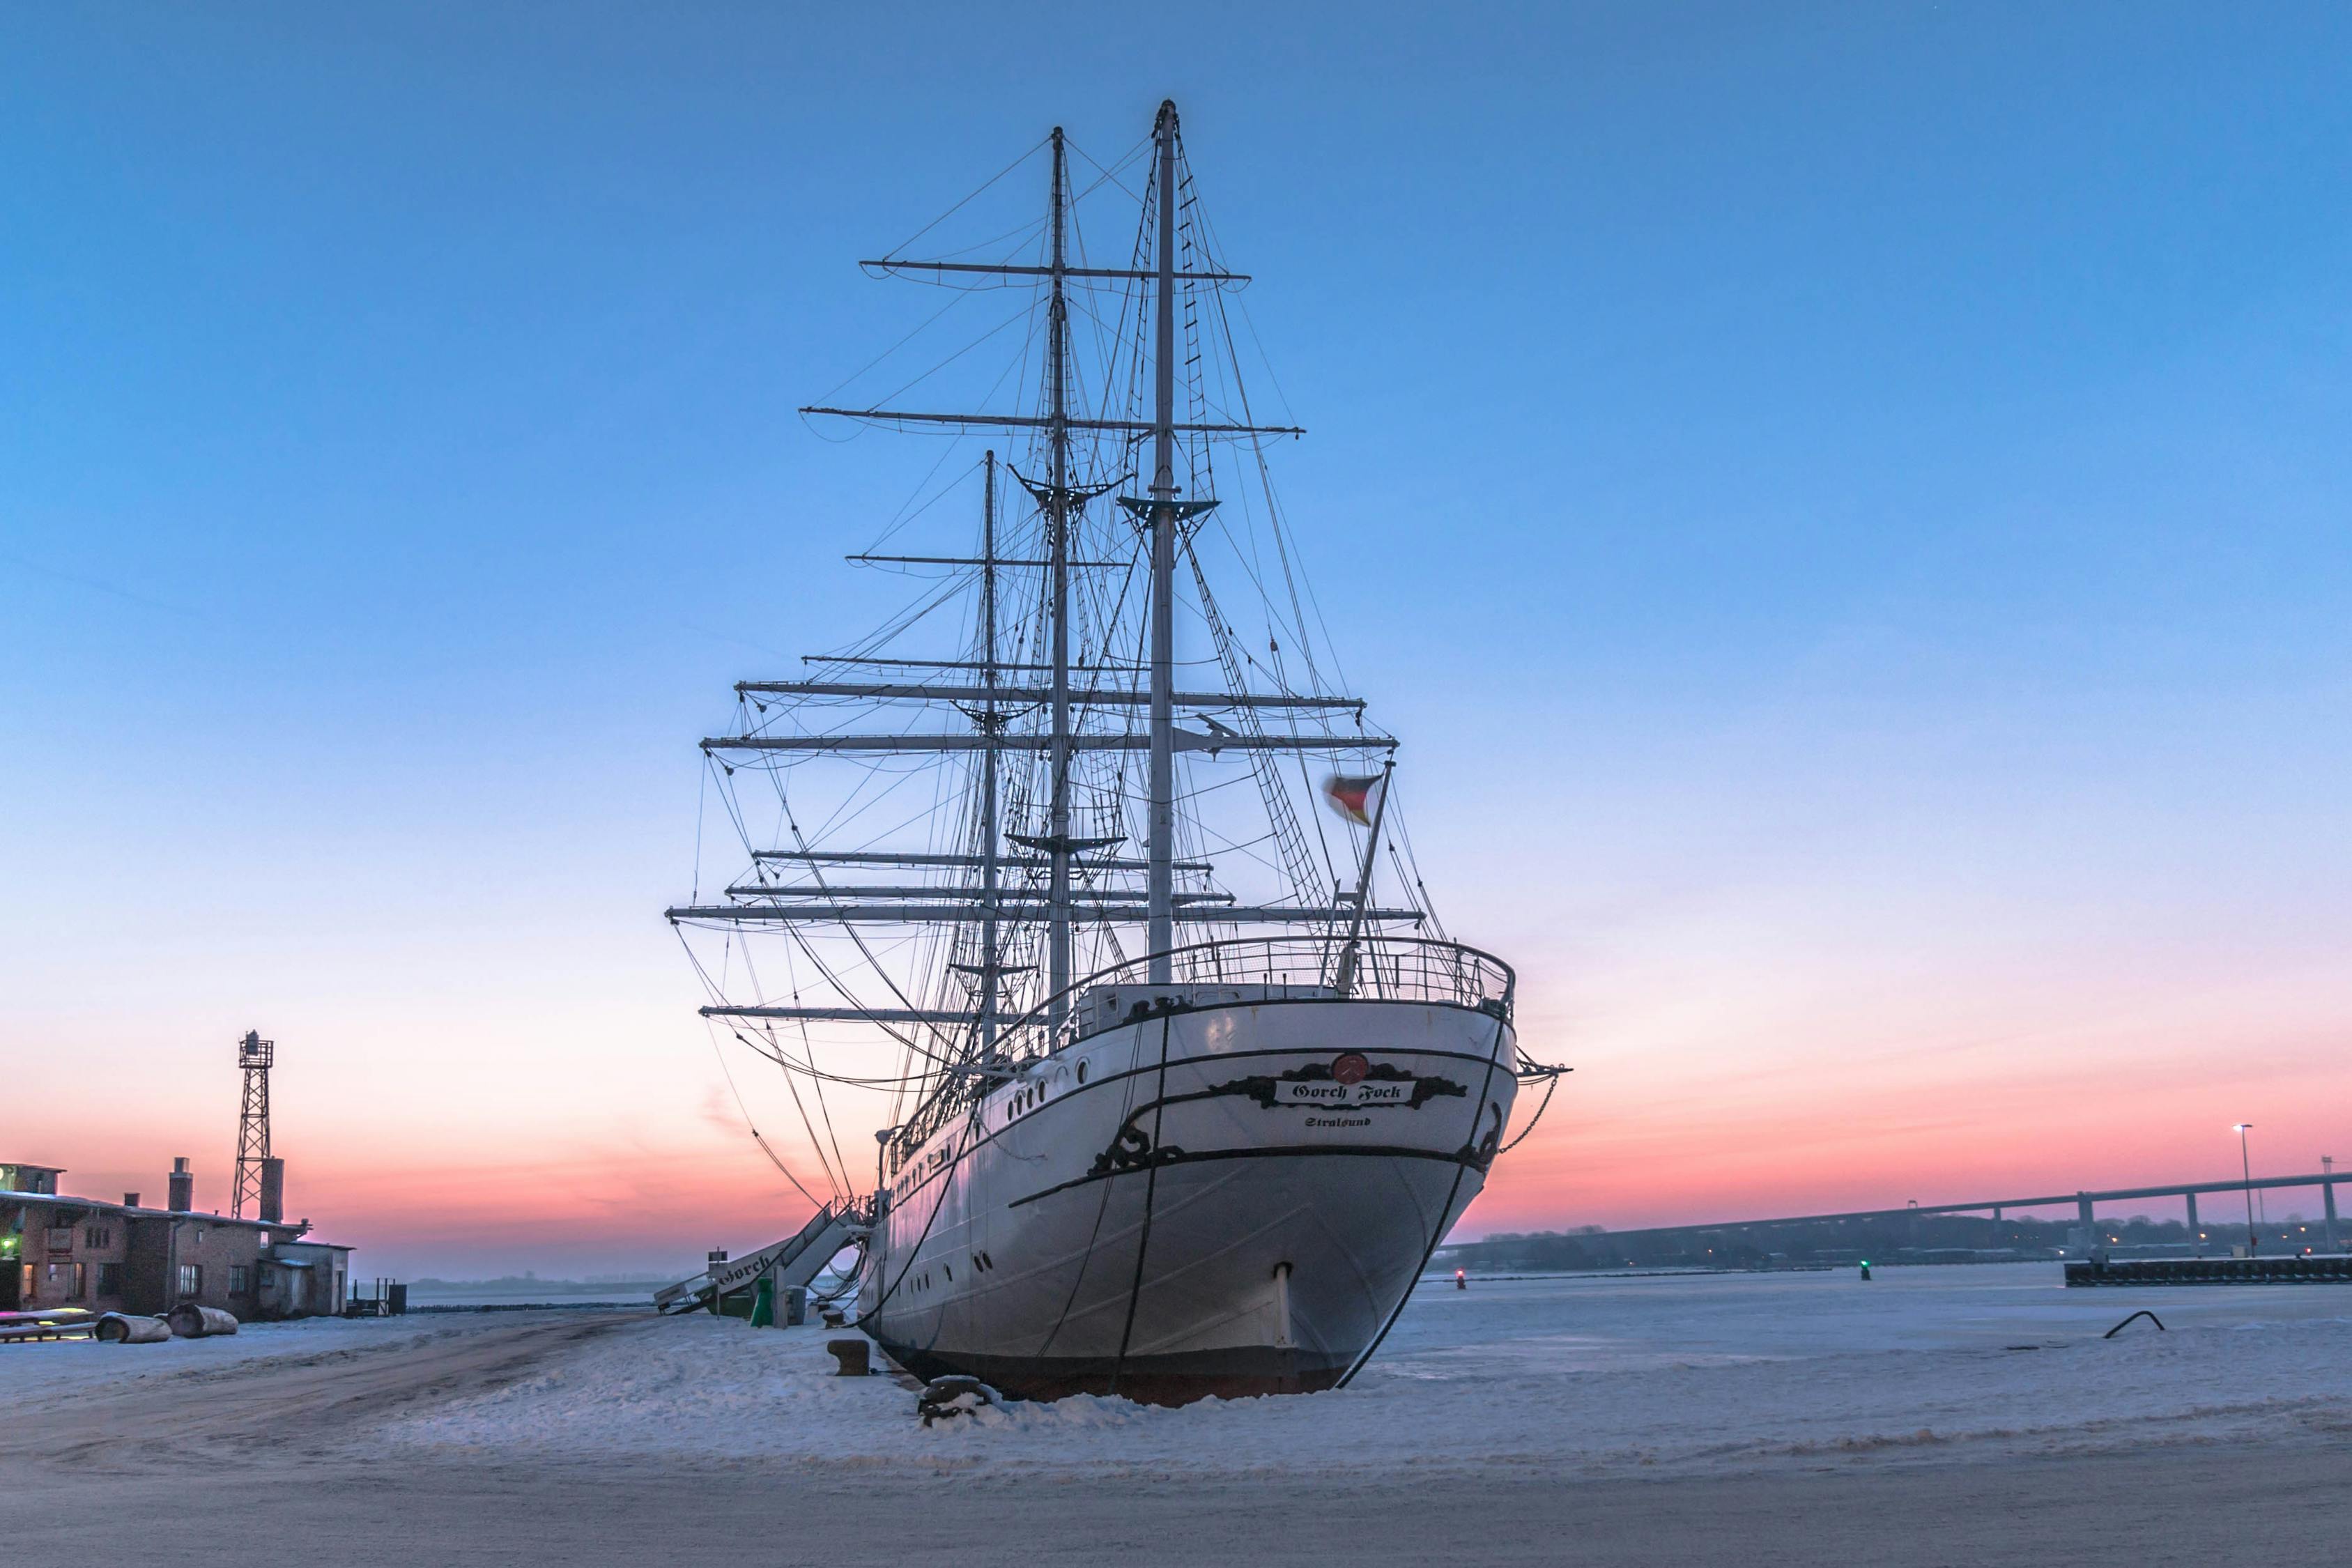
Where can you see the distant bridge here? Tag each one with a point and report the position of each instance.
(2086, 1204)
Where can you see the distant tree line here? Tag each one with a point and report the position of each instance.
(1917, 1238)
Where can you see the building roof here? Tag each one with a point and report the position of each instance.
(100, 1205)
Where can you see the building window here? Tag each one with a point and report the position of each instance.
(60, 1239)
(110, 1280)
(61, 1282)
(191, 1279)
(238, 1282)
(96, 1236)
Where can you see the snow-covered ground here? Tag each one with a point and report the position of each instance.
(30, 1372)
(1589, 1376)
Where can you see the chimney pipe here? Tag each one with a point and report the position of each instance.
(273, 1189)
(184, 1186)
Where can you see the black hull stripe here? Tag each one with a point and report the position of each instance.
(1359, 1152)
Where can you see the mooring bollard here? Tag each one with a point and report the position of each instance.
(853, 1356)
(946, 1399)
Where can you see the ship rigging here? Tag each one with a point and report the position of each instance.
(1030, 845)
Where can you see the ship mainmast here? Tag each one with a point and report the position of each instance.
(1161, 845)
(1057, 541)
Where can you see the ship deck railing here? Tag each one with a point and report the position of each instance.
(1300, 967)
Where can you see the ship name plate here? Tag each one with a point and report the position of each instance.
(1363, 1092)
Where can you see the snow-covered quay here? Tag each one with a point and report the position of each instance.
(1563, 1376)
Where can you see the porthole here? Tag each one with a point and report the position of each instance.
(1082, 1072)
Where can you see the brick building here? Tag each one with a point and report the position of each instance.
(57, 1250)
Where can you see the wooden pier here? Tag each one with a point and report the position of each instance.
(2302, 1269)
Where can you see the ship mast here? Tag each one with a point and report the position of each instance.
(991, 724)
(1057, 529)
(1160, 847)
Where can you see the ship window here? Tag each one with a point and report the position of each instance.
(948, 1270)
(1082, 1072)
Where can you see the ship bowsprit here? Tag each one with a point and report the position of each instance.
(1225, 1199)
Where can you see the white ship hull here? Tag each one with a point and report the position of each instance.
(1223, 1200)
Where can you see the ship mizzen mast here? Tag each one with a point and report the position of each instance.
(991, 830)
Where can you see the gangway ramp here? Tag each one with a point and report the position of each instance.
(795, 1260)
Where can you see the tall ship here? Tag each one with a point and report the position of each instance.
(1081, 876)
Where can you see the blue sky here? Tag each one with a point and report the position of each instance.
(1846, 504)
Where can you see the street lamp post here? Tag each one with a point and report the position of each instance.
(2246, 1165)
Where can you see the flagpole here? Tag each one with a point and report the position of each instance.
(1343, 979)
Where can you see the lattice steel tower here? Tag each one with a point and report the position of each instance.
(254, 1054)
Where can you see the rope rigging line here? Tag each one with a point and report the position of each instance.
(773, 1158)
(833, 1176)
(1036, 147)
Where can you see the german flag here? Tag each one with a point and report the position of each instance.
(1351, 797)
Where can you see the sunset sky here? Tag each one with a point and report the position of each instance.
(1845, 504)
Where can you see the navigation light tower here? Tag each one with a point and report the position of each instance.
(254, 1054)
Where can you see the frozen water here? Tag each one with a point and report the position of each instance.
(1583, 1374)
